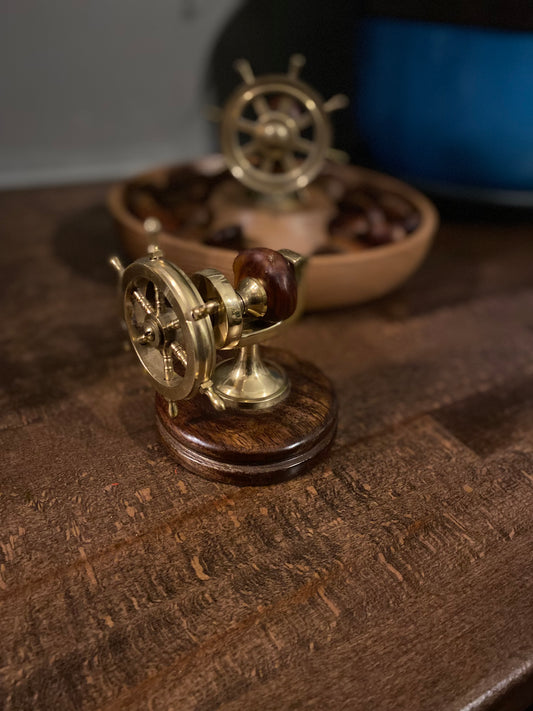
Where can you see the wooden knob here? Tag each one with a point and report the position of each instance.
(277, 276)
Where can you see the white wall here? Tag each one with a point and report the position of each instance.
(103, 88)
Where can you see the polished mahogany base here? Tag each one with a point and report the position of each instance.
(260, 447)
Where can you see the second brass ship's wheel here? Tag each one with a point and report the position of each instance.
(275, 130)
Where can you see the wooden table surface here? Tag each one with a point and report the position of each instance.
(396, 575)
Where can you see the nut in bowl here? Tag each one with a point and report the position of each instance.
(364, 232)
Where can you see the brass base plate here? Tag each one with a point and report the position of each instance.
(256, 448)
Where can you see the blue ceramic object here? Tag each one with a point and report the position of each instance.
(448, 104)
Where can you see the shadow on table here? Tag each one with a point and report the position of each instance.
(85, 241)
(136, 410)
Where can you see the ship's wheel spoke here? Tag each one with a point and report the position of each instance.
(168, 364)
(175, 324)
(286, 105)
(304, 121)
(303, 145)
(180, 353)
(260, 105)
(251, 147)
(267, 164)
(143, 301)
(244, 68)
(159, 300)
(139, 332)
(288, 161)
(245, 125)
(336, 102)
(296, 63)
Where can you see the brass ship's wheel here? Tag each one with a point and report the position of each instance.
(275, 130)
(176, 352)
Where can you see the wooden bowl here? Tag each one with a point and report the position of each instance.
(331, 280)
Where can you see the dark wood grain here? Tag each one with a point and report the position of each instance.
(396, 575)
(258, 448)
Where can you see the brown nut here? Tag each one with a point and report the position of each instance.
(277, 276)
(143, 205)
(192, 215)
(383, 233)
(348, 225)
(230, 237)
(186, 184)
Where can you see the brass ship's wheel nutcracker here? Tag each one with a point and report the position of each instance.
(243, 419)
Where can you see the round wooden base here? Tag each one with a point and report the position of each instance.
(255, 448)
